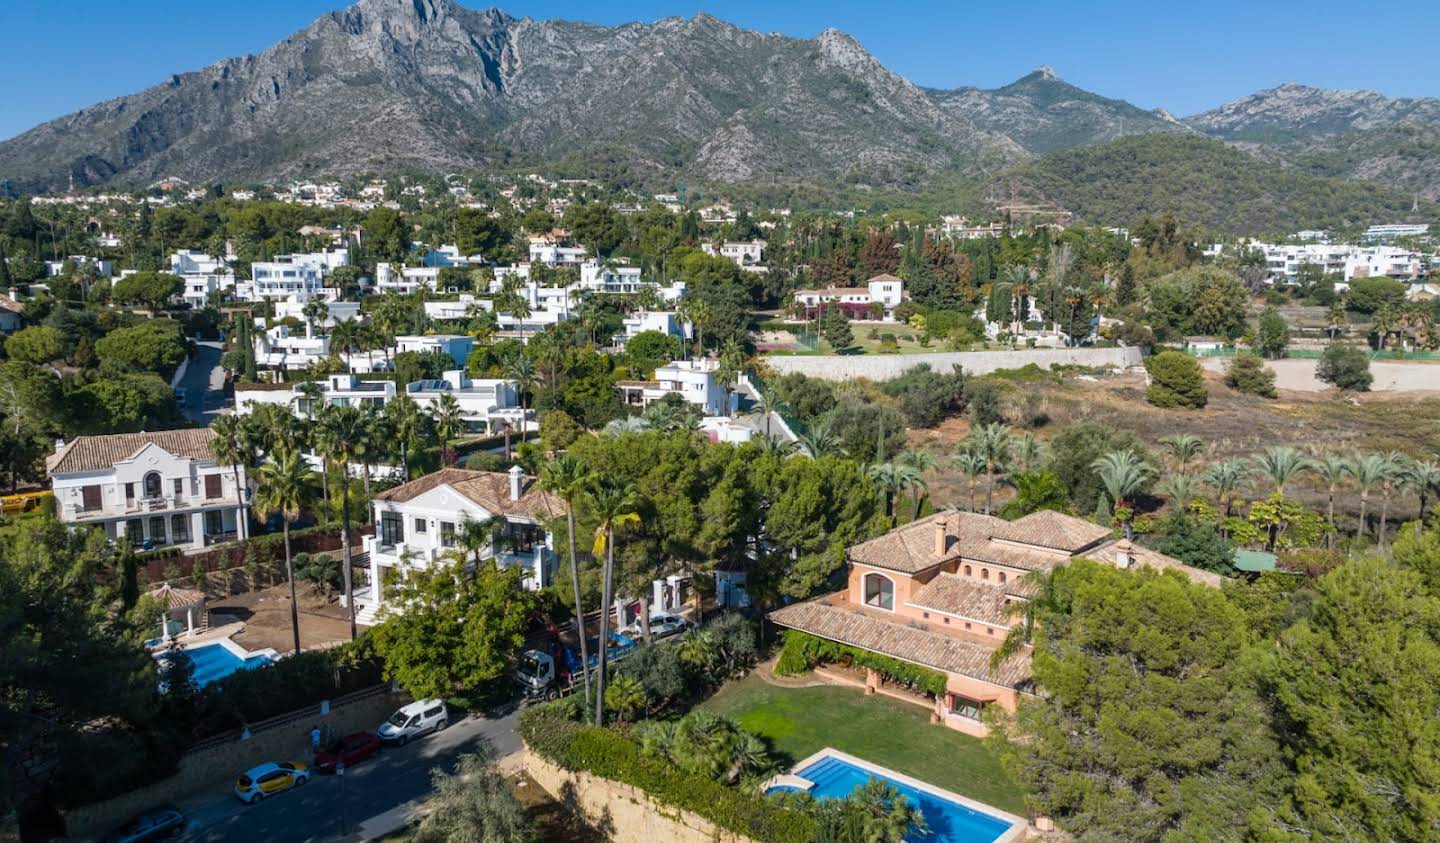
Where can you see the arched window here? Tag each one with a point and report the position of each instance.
(879, 592)
(1002, 577)
(984, 573)
(152, 484)
(967, 570)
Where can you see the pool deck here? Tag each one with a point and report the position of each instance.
(1018, 825)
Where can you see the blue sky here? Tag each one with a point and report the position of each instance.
(61, 55)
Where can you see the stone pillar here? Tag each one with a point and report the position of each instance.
(938, 714)
(375, 585)
(190, 620)
(872, 681)
(197, 529)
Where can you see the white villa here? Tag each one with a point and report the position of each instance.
(693, 380)
(420, 522)
(283, 349)
(551, 253)
(336, 391)
(157, 489)
(666, 322)
(458, 346)
(281, 279)
(485, 403)
(745, 253)
(405, 280)
(886, 290)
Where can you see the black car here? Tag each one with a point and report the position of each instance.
(151, 825)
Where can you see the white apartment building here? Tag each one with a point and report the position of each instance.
(278, 280)
(406, 279)
(694, 380)
(419, 523)
(1349, 261)
(159, 489)
(599, 278)
(962, 228)
(743, 252)
(335, 391)
(103, 268)
(487, 405)
(196, 262)
(886, 290)
(1386, 233)
(551, 253)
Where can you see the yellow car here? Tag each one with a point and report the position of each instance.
(270, 778)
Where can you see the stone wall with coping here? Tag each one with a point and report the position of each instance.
(879, 367)
(215, 767)
(625, 814)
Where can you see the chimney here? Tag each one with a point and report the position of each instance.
(516, 473)
(942, 542)
(1124, 554)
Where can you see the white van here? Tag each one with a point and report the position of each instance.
(418, 718)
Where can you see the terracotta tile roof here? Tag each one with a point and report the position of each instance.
(1052, 529)
(964, 597)
(176, 598)
(884, 276)
(911, 548)
(91, 453)
(488, 489)
(982, 549)
(902, 641)
(7, 303)
(834, 291)
(1110, 551)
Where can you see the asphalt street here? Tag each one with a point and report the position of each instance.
(204, 380)
(369, 800)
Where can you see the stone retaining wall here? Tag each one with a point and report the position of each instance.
(216, 766)
(625, 814)
(880, 367)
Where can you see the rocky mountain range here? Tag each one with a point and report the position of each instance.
(386, 85)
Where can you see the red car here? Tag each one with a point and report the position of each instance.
(351, 750)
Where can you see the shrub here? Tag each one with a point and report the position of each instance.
(1367, 295)
(549, 733)
(1248, 373)
(1345, 366)
(1175, 381)
(1273, 335)
(803, 651)
(928, 397)
(983, 397)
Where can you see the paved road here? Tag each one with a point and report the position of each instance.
(374, 797)
(205, 382)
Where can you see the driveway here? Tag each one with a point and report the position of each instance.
(372, 798)
(204, 380)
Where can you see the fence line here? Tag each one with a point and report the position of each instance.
(306, 713)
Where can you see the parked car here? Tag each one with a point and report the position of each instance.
(349, 750)
(270, 778)
(661, 625)
(418, 718)
(154, 824)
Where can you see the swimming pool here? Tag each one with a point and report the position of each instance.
(219, 659)
(951, 818)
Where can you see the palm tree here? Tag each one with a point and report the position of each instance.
(233, 446)
(973, 465)
(406, 423)
(1282, 464)
(921, 462)
(1369, 471)
(1182, 447)
(521, 369)
(1227, 477)
(568, 477)
(344, 438)
(1045, 594)
(1029, 452)
(1332, 469)
(893, 478)
(819, 440)
(1018, 280)
(473, 537)
(284, 488)
(613, 506)
(345, 337)
(626, 424)
(449, 422)
(1123, 474)
(1181, 489)
(1399, 467)
(314, 397)
(1423, 478)
(732, 362)
(992, 443)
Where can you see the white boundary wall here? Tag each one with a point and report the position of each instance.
(881, 367)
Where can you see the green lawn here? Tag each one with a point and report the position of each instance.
(799, 721)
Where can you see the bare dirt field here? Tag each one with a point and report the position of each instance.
(1231, 424)
(1390, 375)
(266, 614)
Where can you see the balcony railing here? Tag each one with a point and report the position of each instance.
(141, 506)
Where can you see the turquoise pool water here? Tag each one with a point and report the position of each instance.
(214, 662)
(949, 822)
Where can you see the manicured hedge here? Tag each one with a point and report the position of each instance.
(608, 754)
(803, 651)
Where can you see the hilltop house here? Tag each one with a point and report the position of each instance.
(885, 290)
(939, 592)
(745, 253)
(422, 521)
(156, 489)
